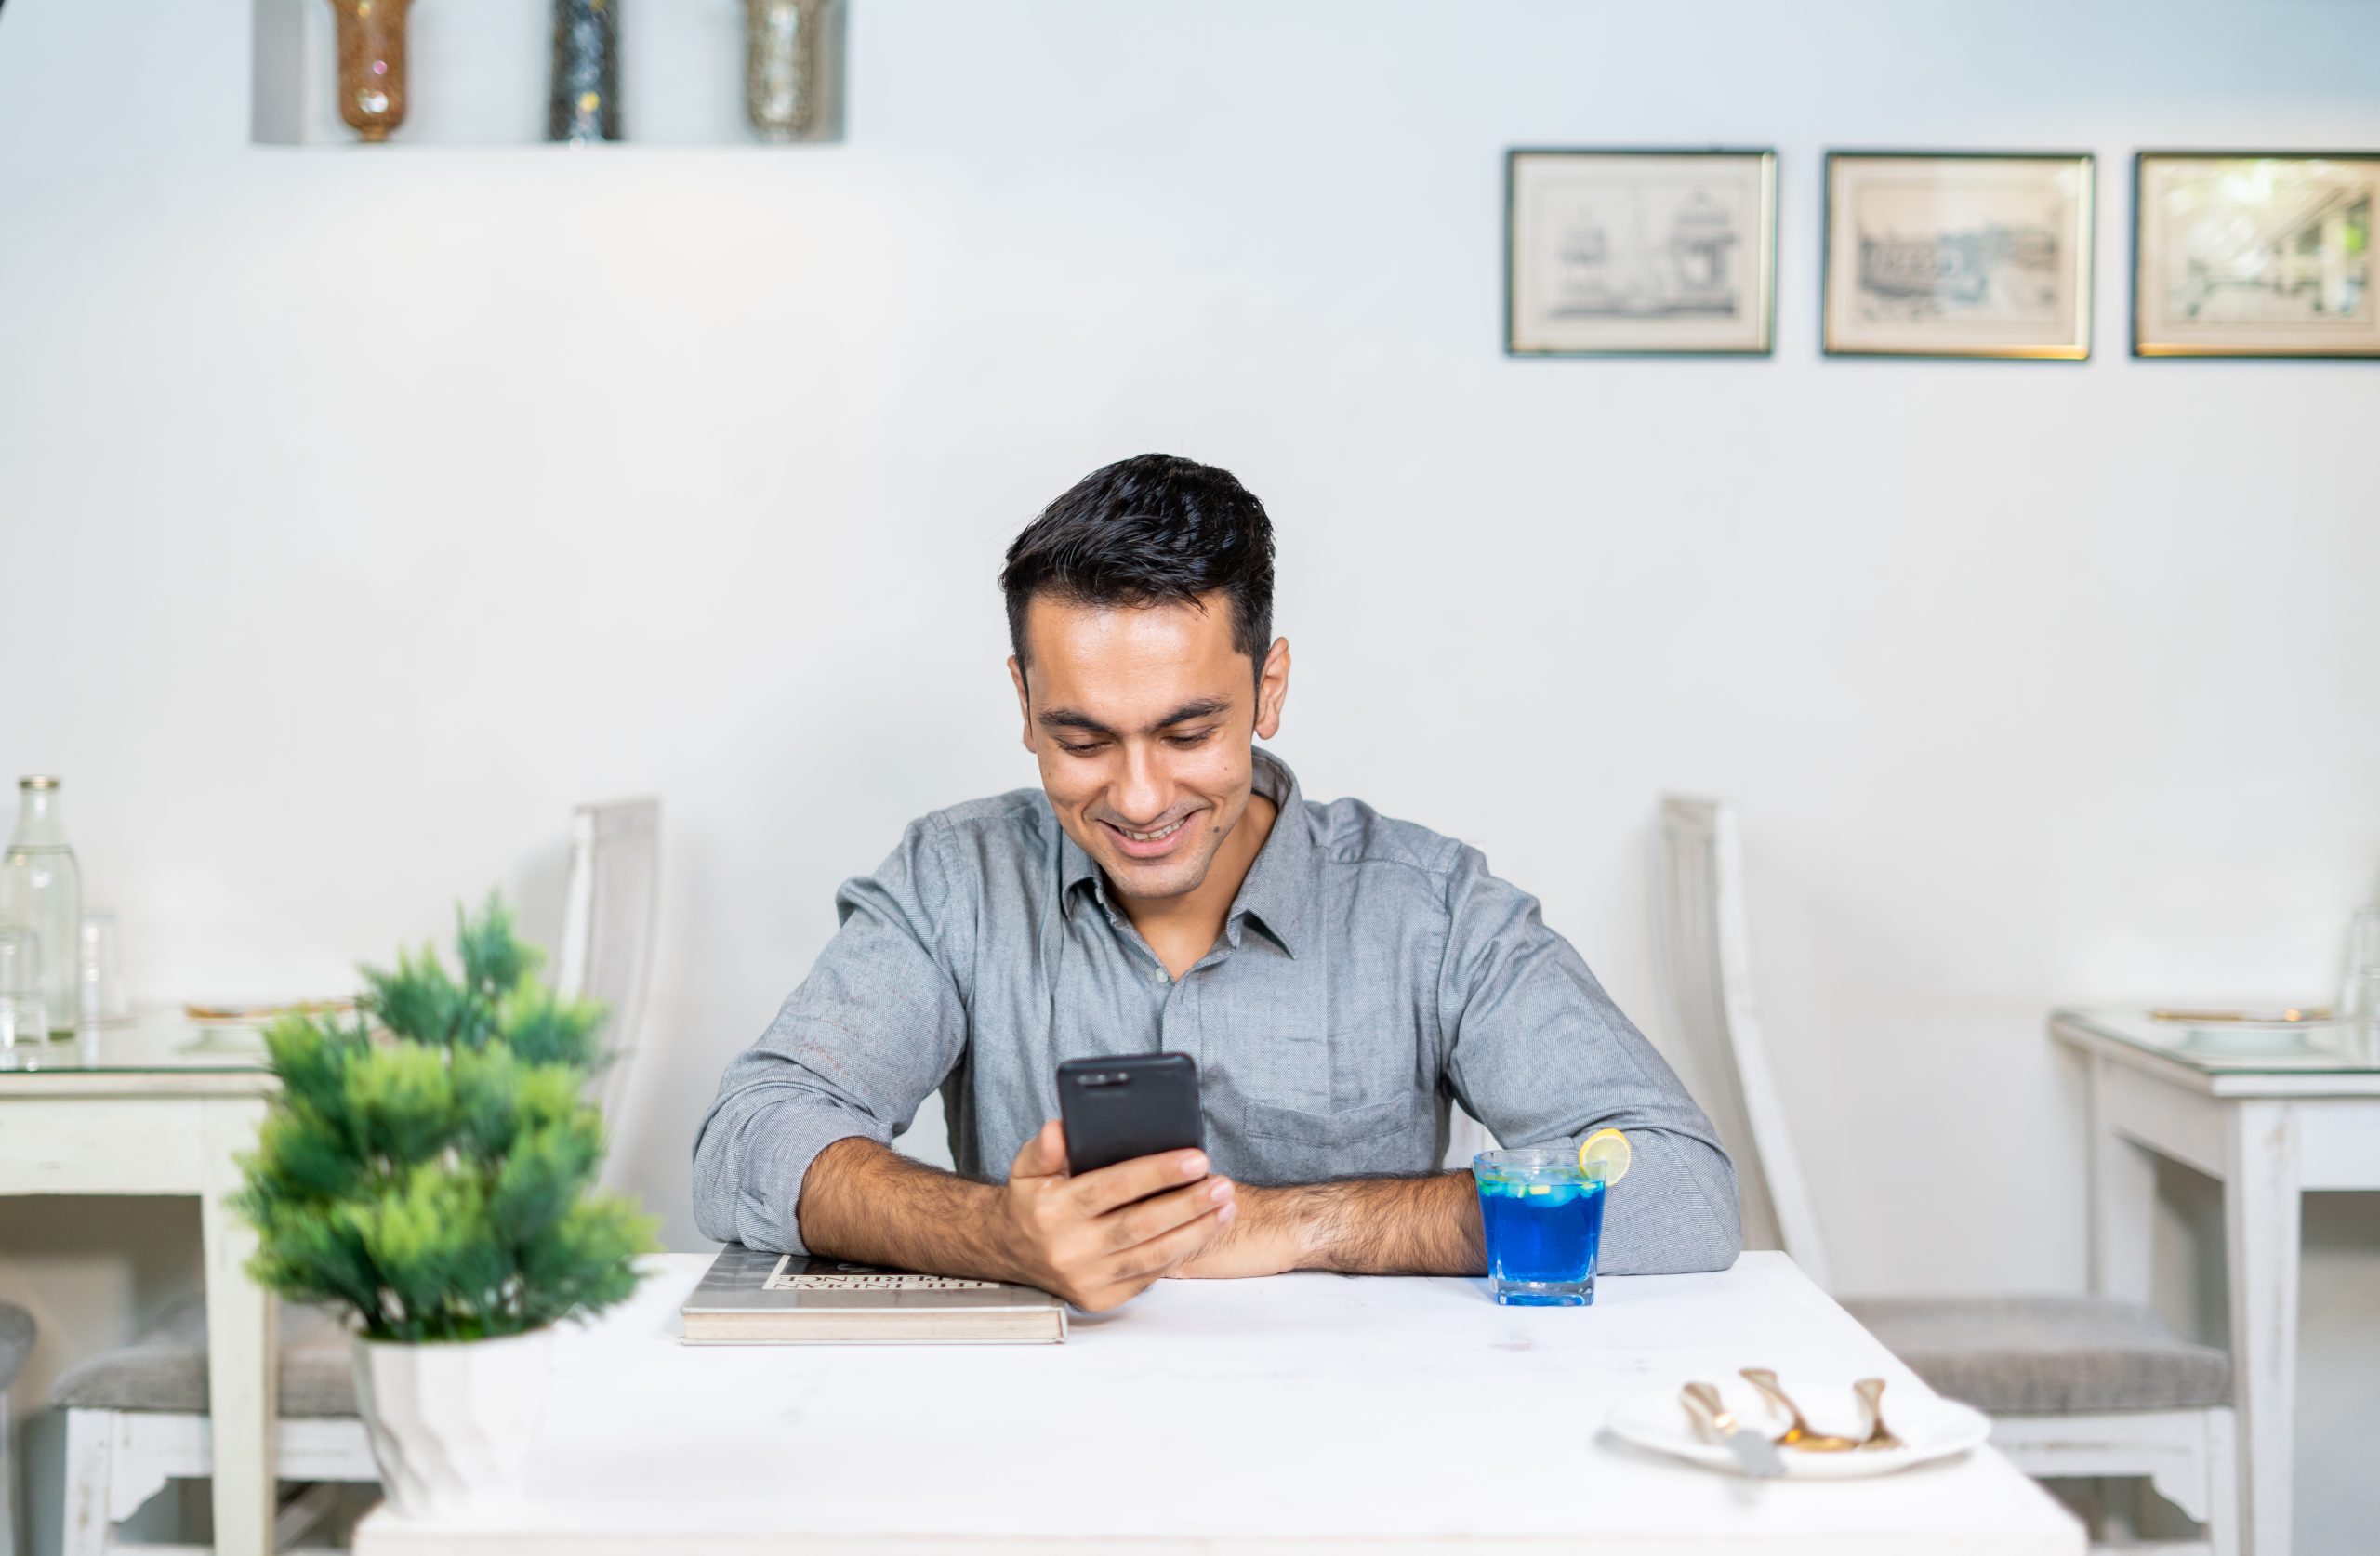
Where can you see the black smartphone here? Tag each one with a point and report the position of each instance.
(1133, 1105)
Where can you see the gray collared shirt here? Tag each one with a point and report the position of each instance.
(1371, 972)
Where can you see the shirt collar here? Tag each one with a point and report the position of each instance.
(1281, 883)
(1278, 885)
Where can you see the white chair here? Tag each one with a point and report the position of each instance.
(16, 1344)
(609, 919)
(136, 1417)
(2077, 1387)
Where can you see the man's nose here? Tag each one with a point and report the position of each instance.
(1142, 793)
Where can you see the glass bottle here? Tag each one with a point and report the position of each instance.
(782, 62)
(371, 65)
(2360, 1000)
(583, 103)
(40, 889)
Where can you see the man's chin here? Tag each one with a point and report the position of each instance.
(1156, 878)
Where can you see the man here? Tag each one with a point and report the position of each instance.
(1338, 976)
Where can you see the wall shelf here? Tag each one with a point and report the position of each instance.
(478, 72)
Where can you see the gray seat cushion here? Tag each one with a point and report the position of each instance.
(2047, 1355)
(166, 1369)
(16, 1341)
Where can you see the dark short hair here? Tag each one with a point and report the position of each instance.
(1151, 530)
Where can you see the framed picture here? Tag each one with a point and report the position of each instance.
(1958, 254)
(1627, 253)
(2254, 254)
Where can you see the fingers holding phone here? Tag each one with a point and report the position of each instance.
(1147, 1220)
(1102, 1239)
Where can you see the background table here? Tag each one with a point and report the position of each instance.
(1223, 1416)
(145, 1109)
(2269, 1126)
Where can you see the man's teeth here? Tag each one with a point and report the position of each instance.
(1152, 837)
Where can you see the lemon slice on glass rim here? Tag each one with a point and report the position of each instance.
(1609, 1149)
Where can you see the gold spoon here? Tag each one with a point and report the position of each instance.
(1872, 1394)
(1798, 1434)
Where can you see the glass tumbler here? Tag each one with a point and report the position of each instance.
(99, 971)
(24, 1017)
(1543, 1211)
(2359, 999)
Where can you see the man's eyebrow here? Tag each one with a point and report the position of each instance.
(1070, 718)
(1204, 708)
(1067, 718)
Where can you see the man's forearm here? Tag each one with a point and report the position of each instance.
(1427, 1225)
(865, 1202)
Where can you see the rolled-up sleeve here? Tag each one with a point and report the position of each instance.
(877, 1025)
(1539, 1054)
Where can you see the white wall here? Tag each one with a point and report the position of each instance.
(362, 511)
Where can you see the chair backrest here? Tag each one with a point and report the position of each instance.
(608, 921)
(1709, 974)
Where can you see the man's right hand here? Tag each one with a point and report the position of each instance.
(1101, 1239)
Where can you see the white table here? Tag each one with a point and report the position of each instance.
(141, 1109)
(1295, 1413)
(2270, 1127)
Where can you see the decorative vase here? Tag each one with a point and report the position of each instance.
(585, 101)
(451, 1423)
(782, 57)
(371, 65)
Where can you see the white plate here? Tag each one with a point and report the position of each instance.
(1932, 1427)
(240, 1028)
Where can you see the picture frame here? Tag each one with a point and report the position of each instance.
(2255, 254)
(1626, 251)
(1958, 254)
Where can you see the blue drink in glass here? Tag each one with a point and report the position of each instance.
(1543, 1212)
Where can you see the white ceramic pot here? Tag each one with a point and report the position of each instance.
(450, 1423)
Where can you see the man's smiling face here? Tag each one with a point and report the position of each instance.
(1141, 719)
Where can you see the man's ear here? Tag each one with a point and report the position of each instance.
(1024, 701)
(1273, 689)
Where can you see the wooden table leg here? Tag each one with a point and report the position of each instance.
(2123, 1201)
(2261, 1219)
(243, 1355)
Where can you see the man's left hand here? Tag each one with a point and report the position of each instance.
(1267, 1239)
(1427, 1225)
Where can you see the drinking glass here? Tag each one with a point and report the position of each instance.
(2360, 1000)
(1542, 1210)
(100, 984)
(24, 1017)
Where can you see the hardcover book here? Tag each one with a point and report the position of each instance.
(749, 1297)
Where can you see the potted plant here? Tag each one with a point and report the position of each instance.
(426, 1167)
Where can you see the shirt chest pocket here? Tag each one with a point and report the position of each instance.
(1334, 1131)
(1367, 1108)
(1330, 1081)
(1301, 1146)
(1336, 1077)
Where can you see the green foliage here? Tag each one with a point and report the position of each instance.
(427, 1163)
